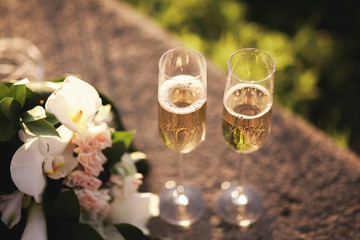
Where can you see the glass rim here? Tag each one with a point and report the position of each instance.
(251, 81)
(185, 48)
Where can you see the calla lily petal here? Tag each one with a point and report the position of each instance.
(23, 81)
(58, 145)
(26, 169)
(73, 107)
(35, 226)
(136, 210)
(69, 165)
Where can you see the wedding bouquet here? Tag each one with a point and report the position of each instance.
(67, 171)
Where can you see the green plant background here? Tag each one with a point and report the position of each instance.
(314, 44)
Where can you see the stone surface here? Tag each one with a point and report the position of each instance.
(310, 187)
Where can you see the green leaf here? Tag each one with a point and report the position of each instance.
(57, 79)
(123, 136)
(53, 189)
(130, 232)
(51, 119)
(4, 91)
(11, 108)
(41, 127)
(8, 128)
(18, 92)
(117, 119)
(114, 153)
(72, 231)
(121, 141)
(32, 99)
(66, 207)
(34, 114)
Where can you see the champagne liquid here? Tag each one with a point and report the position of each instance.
(247, 117)
(182, 107)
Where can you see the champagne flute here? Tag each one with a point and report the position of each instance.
(182, 96)
(248, 100)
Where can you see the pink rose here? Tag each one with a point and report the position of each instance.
(96, 138)
(94, 201)
(80, 178)
(92, 162)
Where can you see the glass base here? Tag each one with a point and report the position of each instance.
(181, 205)
(239, 205)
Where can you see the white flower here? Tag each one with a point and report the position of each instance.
(125, 187)
(74, 104)
(136, 210)
(130, 206)
(127, 180)
(53, 155)
(23, 81)
(10, 208)
(25, 136)
(127, 166)
(35, 225)
(104, 115)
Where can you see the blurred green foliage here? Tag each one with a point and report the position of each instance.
(314, 44)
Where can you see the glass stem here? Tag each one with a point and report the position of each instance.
(180, 182)
(237, 196)
(180, 197)
(241, 168)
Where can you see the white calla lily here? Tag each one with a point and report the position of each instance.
(35, 225)
(74, 104)
(136, 210)
(26, 169)
(49, 154)
(62, 165)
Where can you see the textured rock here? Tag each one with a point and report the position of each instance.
(310, 187)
